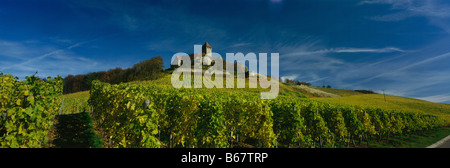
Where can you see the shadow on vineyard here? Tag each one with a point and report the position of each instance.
(75, 131)
(417, 140)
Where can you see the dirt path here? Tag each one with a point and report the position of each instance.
(443, 143)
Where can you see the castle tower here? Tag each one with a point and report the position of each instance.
(207, 49)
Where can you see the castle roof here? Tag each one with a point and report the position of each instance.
(207, 45)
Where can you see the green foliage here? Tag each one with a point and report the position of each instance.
(335, 121)
(250, 119)
(189, 117)
(144, 70)
(316, 125)
(27, 110)
(392, 103)
(75, 103)
(289, 124)
(119, 110)
(75, 131)
(219, 118)
(211, 124)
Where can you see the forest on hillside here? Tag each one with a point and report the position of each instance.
(145, 70)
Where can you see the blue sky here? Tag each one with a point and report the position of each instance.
(400, 46)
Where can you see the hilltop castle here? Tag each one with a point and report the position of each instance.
(206, 59)
(206, 56)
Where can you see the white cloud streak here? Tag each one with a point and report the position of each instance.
(401, 69)
(240, 44)
(436, 98)
(436, 11)
(368, 50)
(20, 50)
(52, 63)
(348, 50)
(430, 8)
(28, 61)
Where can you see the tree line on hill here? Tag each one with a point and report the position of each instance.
(145, 70)
(365, 91)
(296, 82)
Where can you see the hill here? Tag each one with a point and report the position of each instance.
(329, 95)
(394, 103)
(307, 99)
(145, 70)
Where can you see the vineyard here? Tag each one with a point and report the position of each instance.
(151, 114)
(75, 103)
(27, 109)
(391, 103)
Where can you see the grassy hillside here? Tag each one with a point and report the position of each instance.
(312, 91)
(393, 103)
(76, 102)
(340, 92)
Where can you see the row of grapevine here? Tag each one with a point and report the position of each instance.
(218, 118)
(184, 117)
(200, 118)
(120, 111)
(27, 109)
(306, 123)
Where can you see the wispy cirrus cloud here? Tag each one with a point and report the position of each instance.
(437, 12)
(307, 62)
(420, 73)
(51, 63)
(311, 61)
(437, 98)
(348, 50)
(18, 50)
(40, 57)
(432, 8)
(240, 44)
(421, 58)
(368, 50)
(397, 71)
